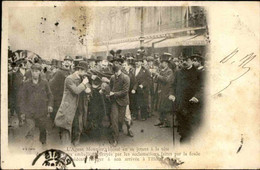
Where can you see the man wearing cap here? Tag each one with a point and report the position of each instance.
(141, 78)
(198, 108)
(119, 87)
(57, 83)
(164, 79)
(183, 93)
(68, 117)
(36, 103)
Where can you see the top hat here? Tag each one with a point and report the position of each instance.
(78, 58)
(82, 65)
(165, 57)
(54, 62)
(69, 58)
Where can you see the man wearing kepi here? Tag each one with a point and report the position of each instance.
(36, 103)
(119, 85)
(184, 89)
(68, 110)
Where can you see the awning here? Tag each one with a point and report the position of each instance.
(195, 40)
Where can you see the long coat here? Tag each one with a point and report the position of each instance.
(35, 99)
(142, 94)
(185, 87)
(69, 104)
(57, 85)
(164, 81)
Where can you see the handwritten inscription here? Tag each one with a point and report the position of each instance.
(240, 64)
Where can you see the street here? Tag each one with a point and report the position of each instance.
(145, 133)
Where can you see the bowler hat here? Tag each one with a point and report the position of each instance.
(36, 66)
(82, 65)
(78, 58)
(69, 58)
(100, 58)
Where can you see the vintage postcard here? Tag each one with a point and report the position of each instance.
(130, 85)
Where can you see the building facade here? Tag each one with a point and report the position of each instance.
(175, 29)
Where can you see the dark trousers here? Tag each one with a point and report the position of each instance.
(32, 123)
(184, 119)
(117, 118)
(141, 103)
(77, 127)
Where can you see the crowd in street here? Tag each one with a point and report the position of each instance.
(78, 93)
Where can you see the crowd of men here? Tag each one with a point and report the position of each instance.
(76, 95)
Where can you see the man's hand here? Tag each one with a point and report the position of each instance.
(141, 86)
(194, 100)
(111, 93)
(50, 109)
(93, 77)
(133, 91)
(87, 90)
(85, 81)
(100, 91)
(172, 98)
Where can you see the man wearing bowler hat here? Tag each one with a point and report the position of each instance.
(68, 115)
(164, 79)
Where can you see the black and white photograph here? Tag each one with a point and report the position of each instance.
(87, 83)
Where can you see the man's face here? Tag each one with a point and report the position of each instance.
(104, 64)
(125, 65)
(196, 62)
(138, 63)
(187, 62)
(67, 64)
(35, 74)
(164, 64)
(150, 63)
(92, 63)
